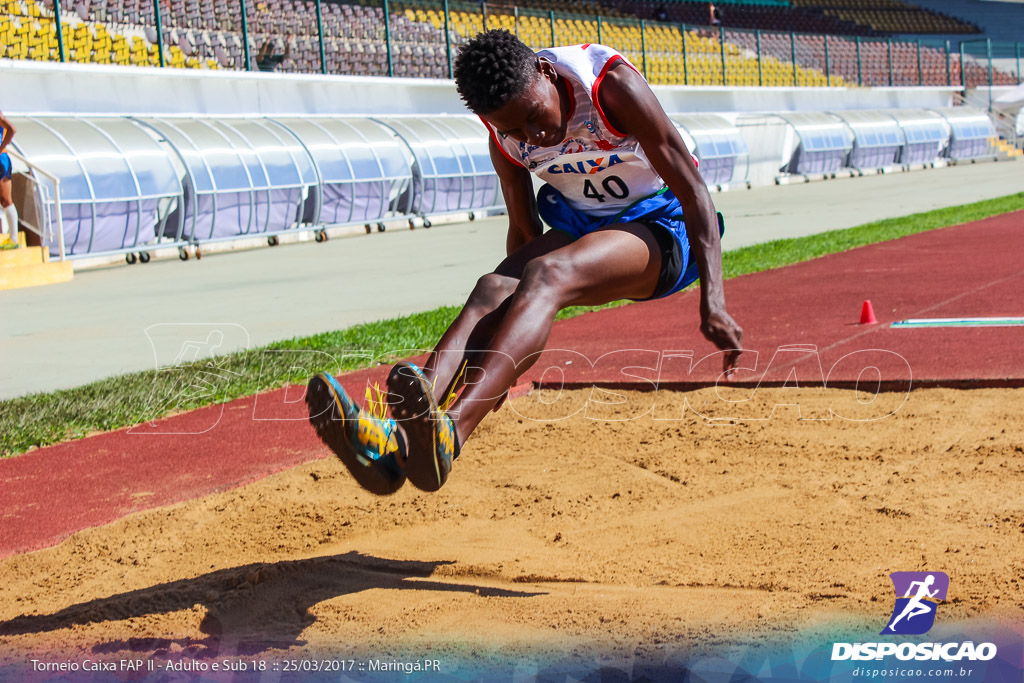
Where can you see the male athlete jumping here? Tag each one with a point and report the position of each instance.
(619, 182)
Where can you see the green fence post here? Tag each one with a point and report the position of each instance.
(920, 74)
(160, 35)
(828, 75)
(721, 45)
(792, 49)
(600, 38)
(551, 18)
(760, 73)
(963, 75)
(387, 37)
(988, 46)
(949, 69)
(320, 32)
(448, 38)
(60, 36)
(988, 49)
(890, 61)
(643, 45)
(483, 13)
(1019, 79)
(860, 70)
(686, 74)
(515, 13)
(245, 37)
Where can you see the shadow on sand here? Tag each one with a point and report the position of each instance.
(249, 609)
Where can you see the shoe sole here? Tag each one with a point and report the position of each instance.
(383, 476)
(417, 413)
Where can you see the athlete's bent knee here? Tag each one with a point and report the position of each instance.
(491, 290)
(546, 274)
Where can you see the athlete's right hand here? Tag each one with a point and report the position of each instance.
(720, 329)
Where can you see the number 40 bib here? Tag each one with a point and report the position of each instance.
(601, 183)
(600, 171)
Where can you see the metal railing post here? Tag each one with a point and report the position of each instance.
(515, 14)
(920, 74)
(890, 61)
(448, 38)
(686, 73)
(963, 75)
(387, 37)
(62, 255)
(600, 26)
(860, 69)
(551, 18)
(828, 75)
(1019, 78)
(320, 32)
(760, 72)
(483, 13)
(988, 47)
(792, 50)
(60, 34)
(721, 46)
(245, 37)
(160, 35)
(643, 46)
(44, 232)
(949, 69)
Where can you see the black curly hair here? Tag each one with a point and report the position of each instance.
(492, 68)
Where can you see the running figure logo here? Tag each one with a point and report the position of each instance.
(913, 614)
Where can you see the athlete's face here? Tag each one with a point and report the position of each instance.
(539, 115)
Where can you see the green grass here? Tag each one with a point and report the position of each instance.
(42, 419)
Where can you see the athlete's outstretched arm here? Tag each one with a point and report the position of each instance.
(910, 588)
(520, 200)
(631, 107)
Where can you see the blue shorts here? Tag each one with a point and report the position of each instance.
(659, 211)
(5, 166)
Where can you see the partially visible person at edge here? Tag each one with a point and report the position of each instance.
(9, 216)
(620, 181)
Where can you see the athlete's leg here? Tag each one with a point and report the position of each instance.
(475, 325)
(622, 261)
(618, 262)
(902, 614)
(6, 201)
(910, 610)
(918, 610)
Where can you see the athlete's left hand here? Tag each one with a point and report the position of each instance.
(721, 330)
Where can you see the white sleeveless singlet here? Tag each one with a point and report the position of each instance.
(599, 170)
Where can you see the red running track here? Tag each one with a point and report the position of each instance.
(800, 321)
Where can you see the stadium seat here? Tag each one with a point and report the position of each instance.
(207, 35)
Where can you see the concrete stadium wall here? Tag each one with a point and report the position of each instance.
(70, 89)
(48, 88)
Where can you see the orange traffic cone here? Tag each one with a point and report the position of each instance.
(867, 314)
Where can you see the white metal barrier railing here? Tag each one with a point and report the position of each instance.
(1006, 127)
(45, 231)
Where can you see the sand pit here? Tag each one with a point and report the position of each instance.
(636, 538)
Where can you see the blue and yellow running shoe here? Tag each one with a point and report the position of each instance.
(367, 443)
(431, 441)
